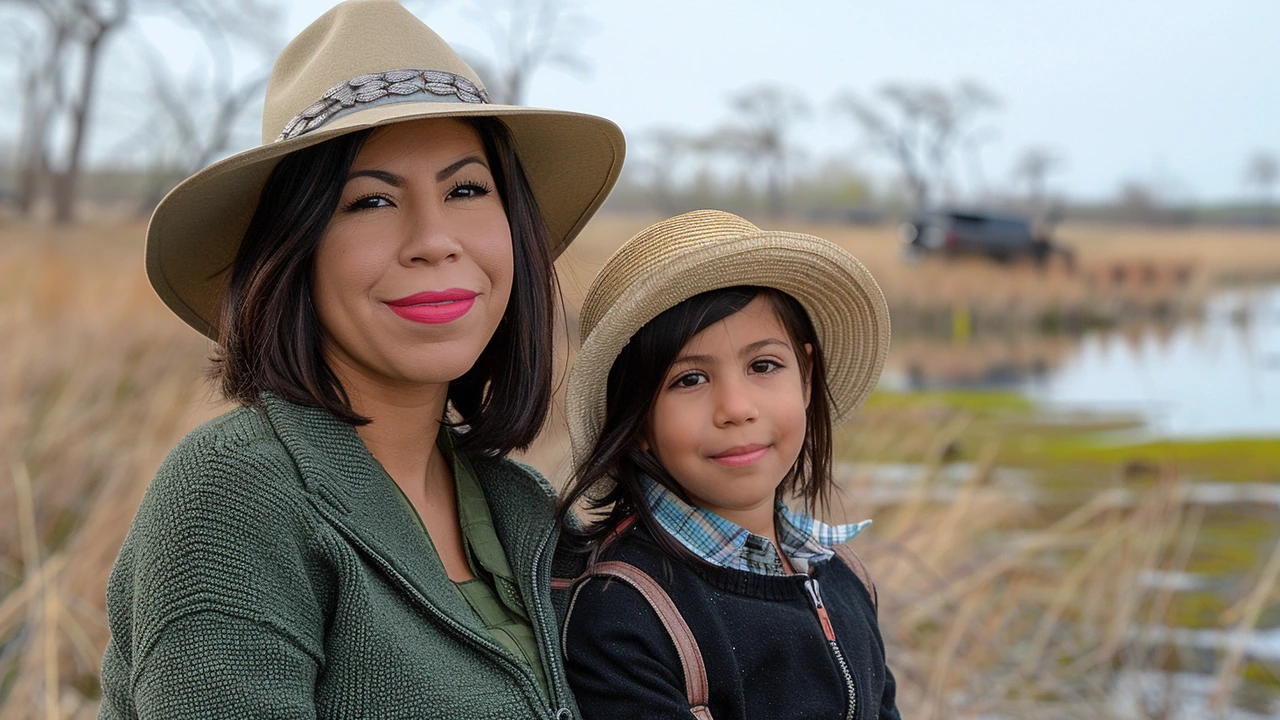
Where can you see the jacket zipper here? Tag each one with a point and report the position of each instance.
(548, 658)
(815, 598)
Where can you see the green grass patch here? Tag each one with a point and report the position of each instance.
(1263, 673)
(981, 402)
(1242, 459)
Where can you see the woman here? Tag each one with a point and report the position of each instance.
(378, 279)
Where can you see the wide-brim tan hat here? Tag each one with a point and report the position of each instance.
(676, 259)
(364, 64)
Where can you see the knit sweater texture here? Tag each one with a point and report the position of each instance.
(761, 640)
(273, 571)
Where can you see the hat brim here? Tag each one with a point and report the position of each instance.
(842, 299)
(571, 160)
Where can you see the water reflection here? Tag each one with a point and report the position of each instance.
(1218, 376)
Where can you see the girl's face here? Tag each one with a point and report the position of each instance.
(414, 270)
(729, 419)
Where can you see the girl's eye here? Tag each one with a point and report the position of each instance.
(469, 189)
(369, 201)
(689, 379)
(764, 367)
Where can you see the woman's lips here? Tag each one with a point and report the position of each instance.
(742, 455)
(434, 307)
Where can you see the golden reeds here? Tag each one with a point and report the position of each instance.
(988, 605)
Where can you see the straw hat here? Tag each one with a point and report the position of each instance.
(363, 64)
(671, 261)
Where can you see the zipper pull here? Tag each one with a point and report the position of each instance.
(815, 597)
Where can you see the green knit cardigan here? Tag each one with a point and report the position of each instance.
(273, 571)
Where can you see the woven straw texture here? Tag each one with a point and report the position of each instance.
(673, 260)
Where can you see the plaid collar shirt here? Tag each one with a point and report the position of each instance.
(710, 537)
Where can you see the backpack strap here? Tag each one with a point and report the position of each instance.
(850, 558)
(695, 672)
(563, 583)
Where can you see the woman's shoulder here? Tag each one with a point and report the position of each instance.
(231, 471)
(237, 443)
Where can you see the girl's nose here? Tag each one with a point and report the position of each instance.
(429, 238)
(734, 405)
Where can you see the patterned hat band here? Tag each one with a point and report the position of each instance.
(393, 86)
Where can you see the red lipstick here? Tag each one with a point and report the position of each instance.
(741, 455)
(434, 307)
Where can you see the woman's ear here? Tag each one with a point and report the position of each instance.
(808, 372)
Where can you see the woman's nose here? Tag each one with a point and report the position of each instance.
(429, 238)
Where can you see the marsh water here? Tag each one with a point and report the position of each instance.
(1215, 376)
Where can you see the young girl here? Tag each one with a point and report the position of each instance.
(716, 359)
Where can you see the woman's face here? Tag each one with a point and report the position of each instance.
(413, 273)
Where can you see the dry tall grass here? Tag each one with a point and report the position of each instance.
(98, 381)
(992, 610)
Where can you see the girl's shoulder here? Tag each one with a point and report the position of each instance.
(604, 593)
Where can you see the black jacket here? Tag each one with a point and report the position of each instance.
(761, 640)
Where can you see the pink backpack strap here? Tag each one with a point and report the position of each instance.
(695, 672)
(850, 558)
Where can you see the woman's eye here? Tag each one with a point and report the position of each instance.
(764, 366)
(689, 380)
(368, 202)
(469, 190)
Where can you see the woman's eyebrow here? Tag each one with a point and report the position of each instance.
(397, 181)
(389, 178)
(449, 171)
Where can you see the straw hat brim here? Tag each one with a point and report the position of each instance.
(571, 160)
(842, 299)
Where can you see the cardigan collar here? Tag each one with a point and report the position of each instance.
(353, 491)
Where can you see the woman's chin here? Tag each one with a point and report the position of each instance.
(436, 365)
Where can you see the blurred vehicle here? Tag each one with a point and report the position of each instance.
(1001, 237)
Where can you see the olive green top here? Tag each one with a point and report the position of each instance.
(492, 594)
(273, 571)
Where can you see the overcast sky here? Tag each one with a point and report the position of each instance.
(1173, 92)
(1170, 92)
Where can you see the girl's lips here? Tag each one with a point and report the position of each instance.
(434, 307)
(741, 456)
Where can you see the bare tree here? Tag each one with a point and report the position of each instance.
(199, 113)
(1261, 172)
(1032, 169)
(760, 135)
(528, 35)
(29, 157)
(88, 25)
(919, 128)
(61, 80)
(662, 158)
(43, 31)
(62, 86)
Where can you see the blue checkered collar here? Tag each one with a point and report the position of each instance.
(722, 543)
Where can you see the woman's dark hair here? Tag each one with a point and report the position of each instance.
(270, 339)
(617, 461)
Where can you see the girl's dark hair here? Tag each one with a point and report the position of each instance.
(270, 339)
(617, 460)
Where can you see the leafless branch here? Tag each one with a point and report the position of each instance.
(920, 127)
